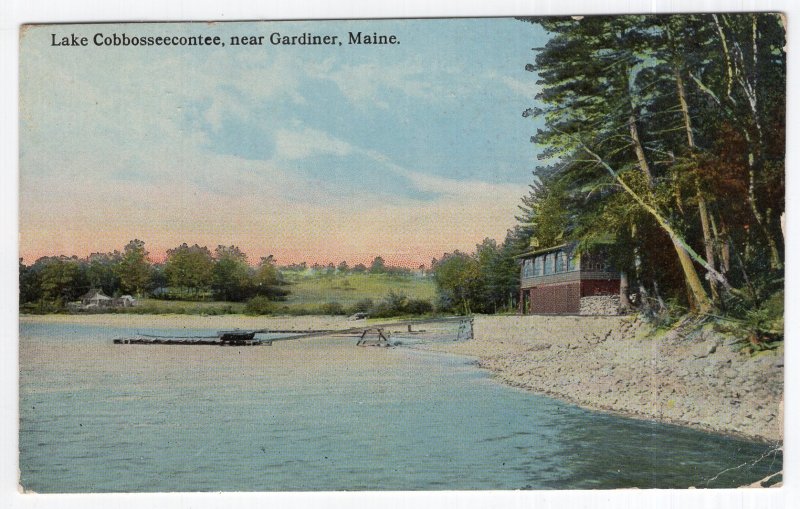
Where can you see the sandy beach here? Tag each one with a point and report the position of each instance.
(612, 364)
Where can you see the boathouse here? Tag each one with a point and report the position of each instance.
(560, 280)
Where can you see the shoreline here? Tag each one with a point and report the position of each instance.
(610, 364)
(619, 365)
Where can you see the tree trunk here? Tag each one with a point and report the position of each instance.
(721, 243)
(690, 274)
(644, 298)
(637, 146)
(692, 280)
(774, 254)
(624, 301)
(708, 241)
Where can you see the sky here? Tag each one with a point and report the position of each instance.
(308, 153)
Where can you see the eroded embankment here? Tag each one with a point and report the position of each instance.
(693, 377)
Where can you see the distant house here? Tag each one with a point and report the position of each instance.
(559, 280)
(126, 301)
(96, 299)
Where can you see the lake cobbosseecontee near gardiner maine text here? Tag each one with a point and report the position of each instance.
(274, 39)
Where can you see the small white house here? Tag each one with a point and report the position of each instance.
(96, 299)
(126, 301)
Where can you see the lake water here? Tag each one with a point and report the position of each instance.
(326, 415)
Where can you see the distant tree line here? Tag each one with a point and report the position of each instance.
(377, 266)
(188, 272)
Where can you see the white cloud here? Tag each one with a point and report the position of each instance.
(299, 144)
(89, 114)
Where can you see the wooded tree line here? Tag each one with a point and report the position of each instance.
(666, 135)
(189, 272)
(663, 138)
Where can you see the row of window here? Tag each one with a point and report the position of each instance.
(550, 263)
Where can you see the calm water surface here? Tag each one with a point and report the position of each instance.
(325, 415)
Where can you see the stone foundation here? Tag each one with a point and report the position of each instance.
(600, 305)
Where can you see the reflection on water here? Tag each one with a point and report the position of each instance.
(324, 415)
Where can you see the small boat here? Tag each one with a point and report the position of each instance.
(235, 337)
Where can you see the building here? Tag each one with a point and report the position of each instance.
(96, 299)
(126, 301)
(559, 280)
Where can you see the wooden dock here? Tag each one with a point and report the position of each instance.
(369, 335)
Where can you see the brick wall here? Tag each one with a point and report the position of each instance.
(592, 287)
(555, 299)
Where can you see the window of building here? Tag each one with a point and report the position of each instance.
(538, 266)
(549, 263)
(527, 268)
(561, 261)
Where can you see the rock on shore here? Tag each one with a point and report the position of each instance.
(687, 376)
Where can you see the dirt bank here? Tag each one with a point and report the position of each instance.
(619, 364)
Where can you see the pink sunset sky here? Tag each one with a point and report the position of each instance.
(309, 154)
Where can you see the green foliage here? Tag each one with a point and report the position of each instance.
(362, 306)
(661, 132)
(259, 305)
(230, 277)
(760, 321)
(398, 304)
(161, 307)
(52, 282)
(133, 269)
(311, 290)
(103, 272)
(267, 280)
(418, 307)
(485, 281)
(378, 266)
(332, 308)
(189, 268)
(457, 278)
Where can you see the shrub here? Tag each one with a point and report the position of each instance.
(397, 304)
(259, 305)
(332, 308)
(418, 307)
(362, 306)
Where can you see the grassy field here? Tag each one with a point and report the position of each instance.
(155, 306)
(348, 289)
(309, 294)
